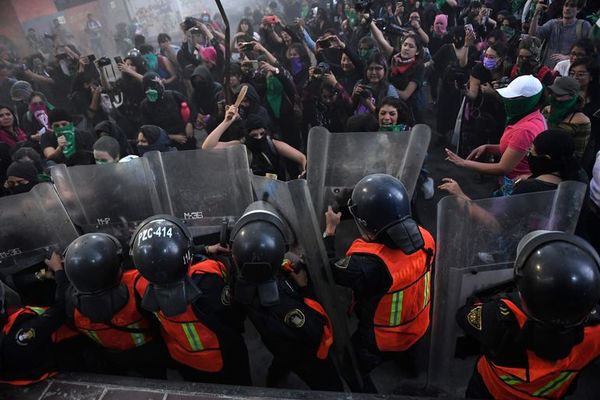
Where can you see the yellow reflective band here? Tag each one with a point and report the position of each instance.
(396, 311)
(138, 338)
(38, 310)
(94, 337)
(554, 385)
(426, 290)
(510, 380)
(192, 337)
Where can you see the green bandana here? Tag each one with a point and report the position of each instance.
(560, 109)
(394, 128)
(508, 32)
(520, 107)
(68, 131)
(365, 54)
(274, 91)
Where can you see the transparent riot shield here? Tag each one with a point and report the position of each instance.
(337, 161)
(32, 225)
(109, 198)
(292, 201)
(203, 187)
(476, 248)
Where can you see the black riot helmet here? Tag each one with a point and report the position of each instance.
(161, 248)
(93, 266)
(558, 278)
(259, 242)
(93, 262)
(380, 206)
(10, 301)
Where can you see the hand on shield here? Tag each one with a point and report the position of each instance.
(217, 249)
(332, 220)
(452, 187)
(54, 262)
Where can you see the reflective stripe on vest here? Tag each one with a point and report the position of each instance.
(402, 314)
(192, 337)
(189, 340)
(543, 378)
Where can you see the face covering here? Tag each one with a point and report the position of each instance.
(365, 54)
(508, 32)
(560, 109)
(526, 67)
(490, 63)
(152, 95)
(520, 107)
(256, 145)
(152, 61)
(22, 188)
(459, 42)
(541, 165)
(296, 65)
(68, 131)
(393, 128)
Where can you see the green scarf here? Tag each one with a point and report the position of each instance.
(394, 128)
(520, 107)
(68, 131)
(560, 109)
(274, 91)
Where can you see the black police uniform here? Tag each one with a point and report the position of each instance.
(27, 351)
(292, 331)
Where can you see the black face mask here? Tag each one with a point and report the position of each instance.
(256, 145)
(459, 42)
(539, 165)
(526, 67)
(21, 188)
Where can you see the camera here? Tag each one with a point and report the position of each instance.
(104, 62)
(118, 60)
(324, 43)
(247, 46)
(49, 36)
(391, 29)
(320, 69)
(189, 23)
(363, 6)
(91, 58)
(270, 19)
(250, 65)
(367, 92)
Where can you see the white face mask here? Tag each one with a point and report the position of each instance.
(64, 67)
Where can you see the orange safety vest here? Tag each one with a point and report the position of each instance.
(61, 334)
(544, 379)
(189, 341)
(135, 329)
(327, 337)
(402, 314)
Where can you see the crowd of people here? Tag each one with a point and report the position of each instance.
(516, 83)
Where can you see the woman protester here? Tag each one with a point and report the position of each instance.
(565, 112)
(522, 99)
(373, 87)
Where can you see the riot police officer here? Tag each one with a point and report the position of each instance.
(292, 325)
(28, 351)
(535, 341)
(389, 271)
(192, 303)
(102, 304)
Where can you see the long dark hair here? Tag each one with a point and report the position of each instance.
(246, 21)
(378, 58)
(15, 124)
(593, 90)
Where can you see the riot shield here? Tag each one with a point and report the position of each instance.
(109, 198)
(203, 187)
(476, 248)
(337, 161)
(292, 201)
(33, 224)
